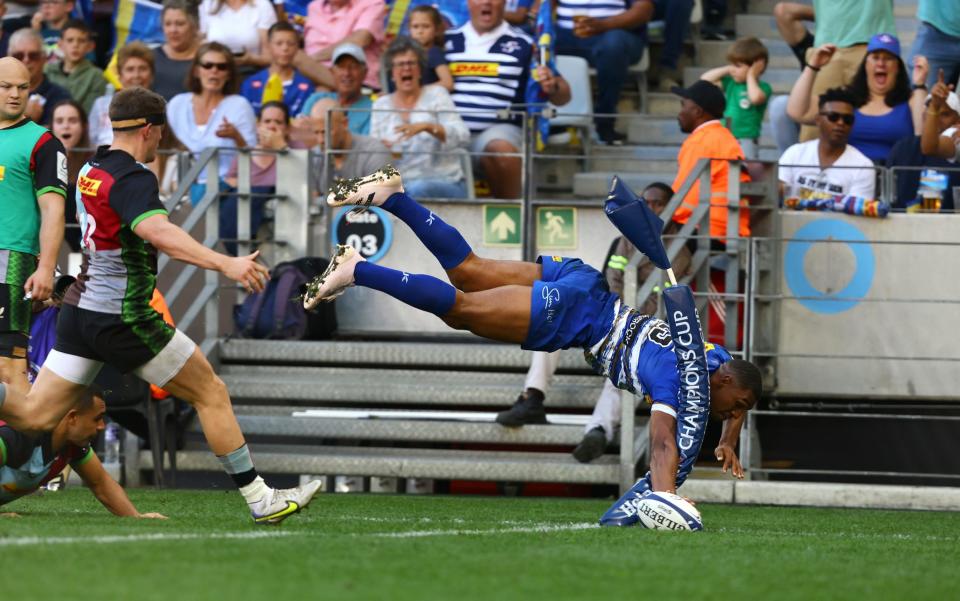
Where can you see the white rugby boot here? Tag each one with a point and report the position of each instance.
(335, 279)
(279, 504)
(371, 190)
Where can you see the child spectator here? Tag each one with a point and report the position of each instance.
(746, 95)
(50, 20)
(426, 28)
(79, 76)
(283, 42)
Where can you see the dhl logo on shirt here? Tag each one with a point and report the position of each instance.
(88, 185)
(474, 69)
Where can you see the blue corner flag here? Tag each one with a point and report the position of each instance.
(543, 56)
(636, 222)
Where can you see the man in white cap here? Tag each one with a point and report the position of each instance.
(937, 147)
(349, 72)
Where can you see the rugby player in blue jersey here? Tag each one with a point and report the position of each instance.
(555, 303)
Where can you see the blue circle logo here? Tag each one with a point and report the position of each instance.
(370, 231)
(817, 300)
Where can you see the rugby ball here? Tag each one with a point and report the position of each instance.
(665, 511)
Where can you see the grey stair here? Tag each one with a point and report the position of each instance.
(780, 79)
(764, 26)
(420, 354)
(901, 8)
(714, 54)
(633, 158)
(424, 431)
(665, 131)
(347, 385)
(595, 184)
(662, 104)
(411, 463)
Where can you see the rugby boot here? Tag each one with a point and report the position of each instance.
(524, 411)
(335, 279)
(279, 504)
(593, 445)
(371, 190)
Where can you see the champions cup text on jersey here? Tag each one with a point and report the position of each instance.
(27, 463)
(489, 72)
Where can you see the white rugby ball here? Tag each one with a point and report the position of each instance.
(665, 511)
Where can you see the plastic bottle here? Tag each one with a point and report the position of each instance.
(111, 444)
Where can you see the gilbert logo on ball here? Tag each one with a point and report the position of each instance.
(665, 511)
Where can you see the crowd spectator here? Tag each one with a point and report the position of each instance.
(349, 73)
(420, 126)
(331, 23)
(273, 134)
(352, 155)
(490, 63)
(790, 18)
(283, 42)
(212, 114)
(938, 39)
(611, 36)
(936, 149)
(135, 67)
(426, 28)
(172, 60)
(241, 26)
(27, 47)
(69, 125)
(745, 93)
(49, 22)
(701, 110)
(887, 110)
(675, 15)
(522, 14)
(4, 34)
(846, 25)
(828, 166)
(81, 78)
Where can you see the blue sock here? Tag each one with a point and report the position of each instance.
(423, 292)
(444, 241)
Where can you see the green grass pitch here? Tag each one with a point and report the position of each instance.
(419, 547)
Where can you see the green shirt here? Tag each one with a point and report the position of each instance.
(85, 83)
(745, 119)
(851, 22)
(940, 14)
(32, 163)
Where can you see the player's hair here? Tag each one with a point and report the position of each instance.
(747, 51)
(666, 189)
(135, 103)
(281, 26)
(747, 376)
(79, 25)
(435, 16)
(192, 82)
(85, 402)
(837, 95)
(275, 104)
(136, 50)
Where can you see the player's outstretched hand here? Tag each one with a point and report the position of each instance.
(152, 516)
(726, 454)
(39, 286)
(252, 275)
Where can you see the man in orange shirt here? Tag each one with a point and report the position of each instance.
(701, 114)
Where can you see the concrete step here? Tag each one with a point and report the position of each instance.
(411, 463)
(764, 26)
(662, 104)
(252, 384)
(662, 131)
(433, 354)
(901, 8)
(298, 423)
(595, 184)
(780, 79)
(634, 158)
(714, 54)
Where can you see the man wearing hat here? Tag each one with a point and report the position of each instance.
(937, 147)
(701, 114)
(349, 73)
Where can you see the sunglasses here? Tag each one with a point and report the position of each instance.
(217, 66)
(22, 56)
(847, 118)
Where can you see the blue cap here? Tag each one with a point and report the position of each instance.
(884, 41)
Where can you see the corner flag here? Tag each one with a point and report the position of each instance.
(636, 222)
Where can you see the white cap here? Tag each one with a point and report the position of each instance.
(953, 102)
(349, 49)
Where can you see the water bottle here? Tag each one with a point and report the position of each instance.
(111, 445)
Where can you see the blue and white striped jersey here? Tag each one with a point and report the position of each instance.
(489, 70)
(598, 9)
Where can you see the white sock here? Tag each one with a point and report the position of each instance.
(255, 491)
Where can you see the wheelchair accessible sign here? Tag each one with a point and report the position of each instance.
(370, 232)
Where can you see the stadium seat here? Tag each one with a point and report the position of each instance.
(578, 112)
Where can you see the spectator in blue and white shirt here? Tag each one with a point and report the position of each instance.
(283, 42)
(490, 63)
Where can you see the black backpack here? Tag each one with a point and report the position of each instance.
(277, 313)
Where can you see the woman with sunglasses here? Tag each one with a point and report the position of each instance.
(886, 108)
(212, 114)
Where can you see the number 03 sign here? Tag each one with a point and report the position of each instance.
(370, 232)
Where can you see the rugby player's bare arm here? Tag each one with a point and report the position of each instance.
(40, 284)
(726, 451)
(664, 456)
(178, 244)
(108, 492)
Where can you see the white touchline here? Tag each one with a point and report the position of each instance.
(135, 538)
(517, 529)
